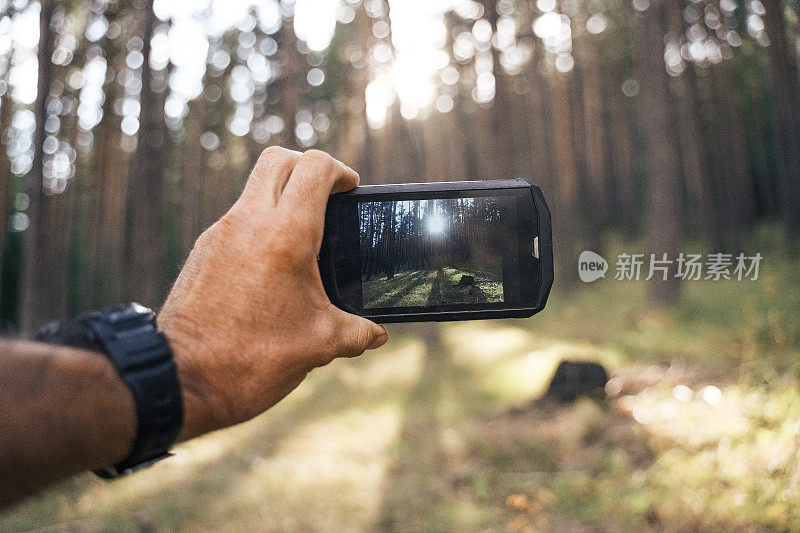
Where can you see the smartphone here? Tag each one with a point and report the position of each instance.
(438, 251)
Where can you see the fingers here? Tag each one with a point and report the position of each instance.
(299, 183)
(357, 334)
(269, 177)
(315, 177)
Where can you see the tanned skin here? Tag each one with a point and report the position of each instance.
(247, 320)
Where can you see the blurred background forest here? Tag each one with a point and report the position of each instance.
(658, 120)
(651, 125)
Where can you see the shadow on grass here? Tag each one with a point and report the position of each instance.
(435, 296)
(459, 466)
(422, 486)
(206, 489)
(407, 288)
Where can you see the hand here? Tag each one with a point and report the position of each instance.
(248, 317)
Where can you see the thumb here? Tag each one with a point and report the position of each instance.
(358, 334)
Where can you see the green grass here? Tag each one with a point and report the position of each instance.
(404, 289)
(411, 288)
(437, 431)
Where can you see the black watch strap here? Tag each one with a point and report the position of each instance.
(129, 337)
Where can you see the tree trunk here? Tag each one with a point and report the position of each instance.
(399, 154)
(565, 211)
(502, 121)
(147, 217)
(48, 237)
(695, 142)
(384, 148)
(445, 158)
(736, 190)
(192, 178)
(786, 114)
(486, 158)
(539, 130)
(661, 150)
(104, 191)
(67, 269)
(698, 173)
(106, 210)
(217, 192)
(435, 148)
(356, 131)
(626, 203)
(595, 164)
(506, 126)
(36, 307)
(290, 82)
(759, 134)
(6, 179)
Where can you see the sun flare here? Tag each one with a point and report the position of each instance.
(436, 225)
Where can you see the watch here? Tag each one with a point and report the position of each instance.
(128, 336)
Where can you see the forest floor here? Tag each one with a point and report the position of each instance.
(432, 287)
(439, 429)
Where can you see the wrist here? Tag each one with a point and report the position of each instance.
(127, 336)
(117, 418)
(200, 407)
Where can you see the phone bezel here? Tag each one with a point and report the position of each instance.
(459, 189)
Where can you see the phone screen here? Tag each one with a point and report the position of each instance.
(469, 250)
(435, 252)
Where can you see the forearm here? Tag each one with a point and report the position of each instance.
(62, 411)
(247, 319)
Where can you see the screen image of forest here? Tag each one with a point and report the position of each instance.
(432, 252)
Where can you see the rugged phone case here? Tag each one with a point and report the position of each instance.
(392, 192)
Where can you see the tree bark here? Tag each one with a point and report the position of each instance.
(445, 158)
(147, 217)
(6, 179)
(68, 213)
(539, 130)
(661, 150)
(290, 82)
(626, 202)
(488, 161)
(356, 133)
(694, 143)
(35, 307)
(565, 212)
(786, 114)
(106, 189)
(694, 148)
(504, 122)
(384, 148)
(192, 178)
(594, 144)
(736, 190)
